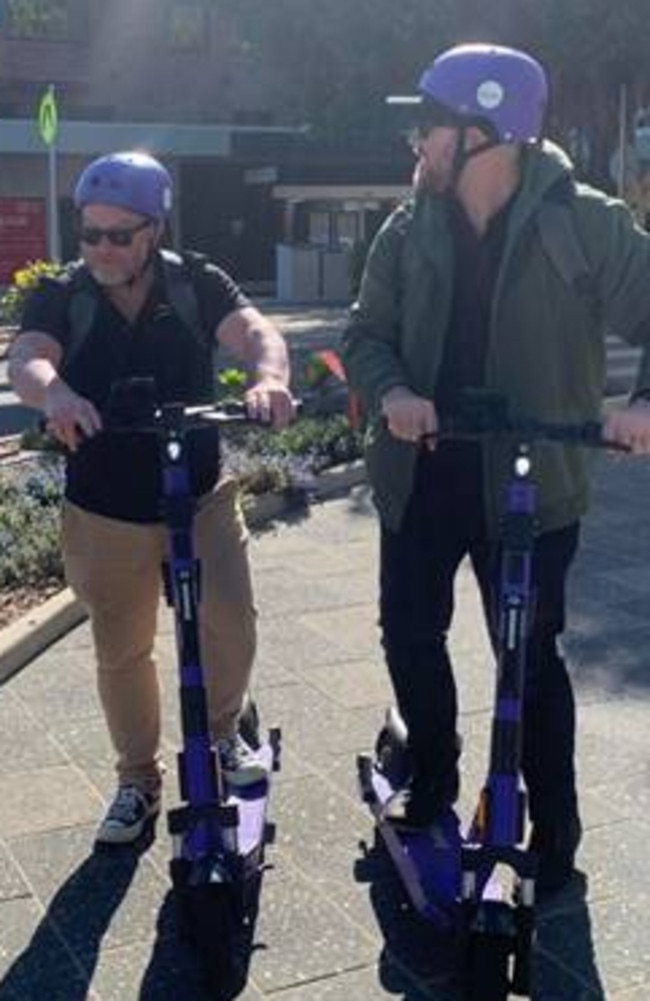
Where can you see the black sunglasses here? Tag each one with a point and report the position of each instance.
(121, 236)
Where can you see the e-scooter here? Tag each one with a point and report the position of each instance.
(449, 875)
(219, 832)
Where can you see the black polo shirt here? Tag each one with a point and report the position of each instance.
(118, 475)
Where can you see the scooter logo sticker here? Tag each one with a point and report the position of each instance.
(490, 95)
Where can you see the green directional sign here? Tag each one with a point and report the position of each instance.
(48, 117)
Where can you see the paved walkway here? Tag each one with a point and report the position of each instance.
(333, 925)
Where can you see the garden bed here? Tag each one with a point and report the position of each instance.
(283, 467)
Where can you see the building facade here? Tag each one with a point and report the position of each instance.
(173, 77)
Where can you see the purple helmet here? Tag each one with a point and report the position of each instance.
(133, 181)
(500, 90)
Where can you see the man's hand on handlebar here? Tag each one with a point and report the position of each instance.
(270, 402)
(409, 417)
(630, 426)
(69, 417)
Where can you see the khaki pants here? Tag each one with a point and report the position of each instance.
(114, 567)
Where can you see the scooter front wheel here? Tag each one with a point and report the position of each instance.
(213, 923)
(216, 939)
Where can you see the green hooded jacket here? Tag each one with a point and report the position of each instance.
(546, 343)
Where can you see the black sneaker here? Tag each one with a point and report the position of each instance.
(556, 849)
(421, 802)
(128, 815)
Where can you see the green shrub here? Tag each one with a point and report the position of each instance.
(231, 383)
(262, 461)
(30, 501)
(317, 442)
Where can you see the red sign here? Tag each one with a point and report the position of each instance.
(22, 234)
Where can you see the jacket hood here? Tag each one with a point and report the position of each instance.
(544, 167)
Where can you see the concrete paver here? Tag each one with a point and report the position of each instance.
(333, 922)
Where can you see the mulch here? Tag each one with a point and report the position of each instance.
(17, 601)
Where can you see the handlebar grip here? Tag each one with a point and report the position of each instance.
(587, 435)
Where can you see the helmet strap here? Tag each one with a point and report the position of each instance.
(462, 156)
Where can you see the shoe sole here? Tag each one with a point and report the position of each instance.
(249, 778)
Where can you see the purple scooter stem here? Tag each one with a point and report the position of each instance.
(219, 833)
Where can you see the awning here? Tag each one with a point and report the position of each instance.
(341, 192)
(20, 136)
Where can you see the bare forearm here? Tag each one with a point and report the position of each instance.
(266, 355)
(256, 344)
(31, 377)
(33, 371)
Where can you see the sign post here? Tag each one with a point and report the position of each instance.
(48, 127)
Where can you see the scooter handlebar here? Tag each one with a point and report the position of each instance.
(588, 434)
(183, 418)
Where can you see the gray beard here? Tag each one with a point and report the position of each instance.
(108, 277)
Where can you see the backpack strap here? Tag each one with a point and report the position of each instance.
(82, 308)
(180, 274)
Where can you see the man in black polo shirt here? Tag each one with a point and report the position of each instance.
(461, 291)
(113, 538)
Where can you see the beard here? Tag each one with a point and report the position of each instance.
(110, 276)
(432, 178)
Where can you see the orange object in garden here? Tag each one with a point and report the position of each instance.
(329, 363)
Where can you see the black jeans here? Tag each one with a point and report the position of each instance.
(445, 522)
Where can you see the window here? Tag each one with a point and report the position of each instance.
(187, 26)
(46, 19)
(333, 228)
(319, 229)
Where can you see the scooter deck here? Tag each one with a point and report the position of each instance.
(428, 861)
(251, 802)
(242, 839)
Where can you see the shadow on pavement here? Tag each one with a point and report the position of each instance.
(171, 973)
(564, 942)
(606, 648)
(75, 924)
(216, 972)
(417, 961)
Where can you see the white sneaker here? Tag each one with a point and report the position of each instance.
(128, 815)
(240, 764)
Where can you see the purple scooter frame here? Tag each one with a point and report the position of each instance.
(219, 833)
(450, 877)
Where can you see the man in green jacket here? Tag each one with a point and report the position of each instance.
(464, 288)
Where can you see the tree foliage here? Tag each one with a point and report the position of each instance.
(339, 59)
